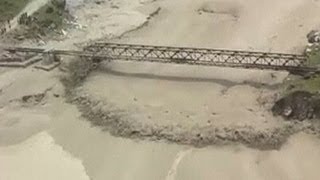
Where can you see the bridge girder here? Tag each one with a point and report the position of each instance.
(185, 55)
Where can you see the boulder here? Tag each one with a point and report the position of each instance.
(313, 36)
(299, 105)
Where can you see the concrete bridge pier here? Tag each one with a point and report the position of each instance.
(49, 58)
(49, 61)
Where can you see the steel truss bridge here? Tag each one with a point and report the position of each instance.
(184, 55)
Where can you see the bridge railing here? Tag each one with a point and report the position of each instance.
(184, 55)
(249, 59)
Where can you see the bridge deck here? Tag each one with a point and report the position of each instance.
(202, 56)
(184, 55)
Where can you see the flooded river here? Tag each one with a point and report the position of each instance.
(72, 149)
(68, 148)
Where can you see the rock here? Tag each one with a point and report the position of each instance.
(290, 87)
(63, 32)
(114, 7)
(308, 50)
(41, 42)
(287, 111)
(313, 36)
(299, 105)
(52, 26)
(33, 99)
(99, 2)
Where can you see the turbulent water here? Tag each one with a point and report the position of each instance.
(68, 147)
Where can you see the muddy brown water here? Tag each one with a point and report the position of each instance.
(70, 148)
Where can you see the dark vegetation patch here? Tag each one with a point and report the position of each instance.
(47, 21)
(301, 97)
(10, 8)
(313, 48)
(314, 55)
(311, 84)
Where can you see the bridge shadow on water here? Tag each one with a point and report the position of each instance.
(223, 82)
